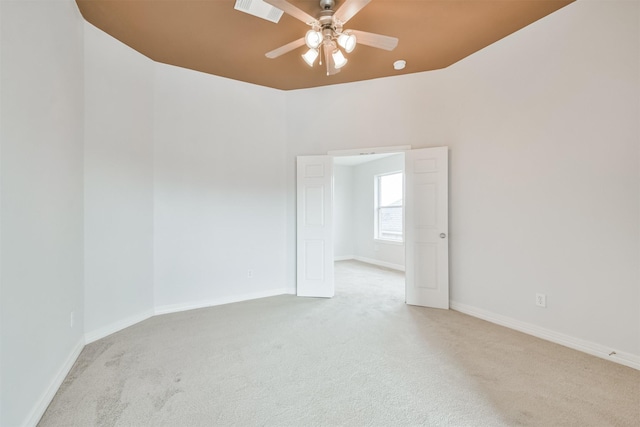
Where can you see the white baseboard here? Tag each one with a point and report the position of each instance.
(623, 358)
(379, 263)
(89, 337)
(343, 257)
(174, 308)
(92, 336)
(43, 403)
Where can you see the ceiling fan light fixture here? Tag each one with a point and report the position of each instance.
(347, 41)
(339, 60)
(310, 56)
(313, 39)
(326, 39)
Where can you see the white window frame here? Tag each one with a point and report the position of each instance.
(377, 207)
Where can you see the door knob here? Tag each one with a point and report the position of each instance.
(442, 235)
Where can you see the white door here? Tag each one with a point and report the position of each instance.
(315, 226)
(426, 227)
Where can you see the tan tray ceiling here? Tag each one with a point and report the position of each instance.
(212, 37)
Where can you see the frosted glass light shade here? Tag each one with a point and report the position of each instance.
(310, 56)
(313, 39)
(347, 41)
(339, 60)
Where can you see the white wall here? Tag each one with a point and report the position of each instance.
(544, 168)
(567, 204)
(390, 254)
(219, 194)
(118, 192)
(219, 189)
(343, 233)
(41, 198)
(1, 139)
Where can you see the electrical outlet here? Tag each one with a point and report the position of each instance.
(249, 274)
(71, 320)
(541, 300)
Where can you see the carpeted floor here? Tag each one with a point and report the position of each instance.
(362, 358)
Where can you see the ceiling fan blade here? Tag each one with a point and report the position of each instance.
(376, 40)
(292, 10)
(286, 48)
(349, 8)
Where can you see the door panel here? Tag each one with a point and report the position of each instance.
(315, 226)
(426, 227)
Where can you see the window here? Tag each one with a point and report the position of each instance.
(389, 202)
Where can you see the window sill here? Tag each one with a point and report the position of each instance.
(389, 242)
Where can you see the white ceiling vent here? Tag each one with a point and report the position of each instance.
(260, 9)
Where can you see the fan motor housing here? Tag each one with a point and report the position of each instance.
(326, 18)
(327, 4)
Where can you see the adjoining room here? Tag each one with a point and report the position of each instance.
(368, 220)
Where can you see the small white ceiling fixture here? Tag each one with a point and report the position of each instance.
(260, 9)
(399, 64)
(327, 33)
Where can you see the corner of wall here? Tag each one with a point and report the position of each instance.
(48, 394)
(120, 324)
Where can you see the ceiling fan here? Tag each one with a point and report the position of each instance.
(327, 33)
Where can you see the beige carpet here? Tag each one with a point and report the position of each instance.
(363, 358)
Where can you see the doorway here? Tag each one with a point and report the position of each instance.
(368, 234)
(425, 227)
(363, 281)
